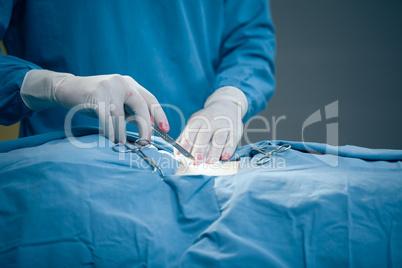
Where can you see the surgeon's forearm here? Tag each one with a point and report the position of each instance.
(248, 52)
(232, 94)
(12, 73)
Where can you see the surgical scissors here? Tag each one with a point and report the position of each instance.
(138, 145)
(268, 153)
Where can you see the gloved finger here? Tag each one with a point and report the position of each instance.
(230, 146)
(189, 133)
(119, 125)
(217, 145)
(105, 119)
(136, 103)
(178, 140)
(155, 109)
(202, 140)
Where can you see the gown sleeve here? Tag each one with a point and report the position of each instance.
(247, 52)
(12, 73)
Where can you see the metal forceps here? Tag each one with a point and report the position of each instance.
(138, 145)
(268, 153)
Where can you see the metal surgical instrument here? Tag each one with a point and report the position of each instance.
(171, 141)
(138, 145)
(268, 153)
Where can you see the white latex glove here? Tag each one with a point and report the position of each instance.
(111, 98)
(214, 132)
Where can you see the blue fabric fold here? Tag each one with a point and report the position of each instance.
(65, 205)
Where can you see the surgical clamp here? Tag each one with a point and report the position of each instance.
(138, 145)
(268, 153)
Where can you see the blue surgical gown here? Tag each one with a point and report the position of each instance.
(180, 50)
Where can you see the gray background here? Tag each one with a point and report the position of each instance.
(338, 50)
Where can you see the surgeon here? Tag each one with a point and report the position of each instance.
(206, 65)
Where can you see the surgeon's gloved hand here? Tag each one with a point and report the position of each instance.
(214, 132)
(111, 98)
